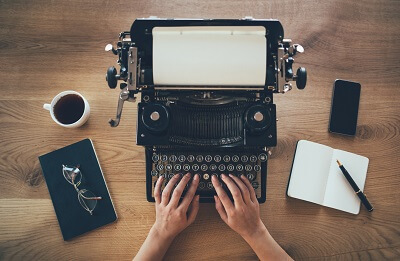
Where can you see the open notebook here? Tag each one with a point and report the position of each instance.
(317, 178)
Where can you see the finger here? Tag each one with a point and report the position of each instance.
(220, 209)
(190, 193)
(157, 190)
(166, 194)
(251, 189)
(194, 209)
(225, 200)
(235, 191)
(243, 188)
(176, 195)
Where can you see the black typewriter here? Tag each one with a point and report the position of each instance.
(206, 95)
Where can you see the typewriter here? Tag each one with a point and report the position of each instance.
(206, 95)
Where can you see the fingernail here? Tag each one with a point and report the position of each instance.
(223, 176)
(230, 175)
(196, 177)
(187, 175)
(242, 176)
(197, 197)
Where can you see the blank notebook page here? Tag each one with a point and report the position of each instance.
(339, 194)
(309, 171)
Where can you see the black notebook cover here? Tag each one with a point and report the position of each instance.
(73, 219)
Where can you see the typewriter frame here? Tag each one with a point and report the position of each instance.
(134, 50)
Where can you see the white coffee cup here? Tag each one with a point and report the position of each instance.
(79, 122)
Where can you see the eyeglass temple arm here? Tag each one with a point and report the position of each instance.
(93, 198)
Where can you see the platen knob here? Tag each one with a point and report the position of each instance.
(301, 78)
(111, 77)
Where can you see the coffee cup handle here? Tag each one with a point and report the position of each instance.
(46, 106)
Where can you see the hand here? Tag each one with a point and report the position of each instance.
(171, 216)
(242, 215)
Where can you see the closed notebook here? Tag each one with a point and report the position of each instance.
(317, 178)
(73, 219)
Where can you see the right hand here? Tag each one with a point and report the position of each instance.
(243, 214)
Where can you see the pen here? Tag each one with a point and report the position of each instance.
(357, 190)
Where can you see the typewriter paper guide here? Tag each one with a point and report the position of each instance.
(210, 56)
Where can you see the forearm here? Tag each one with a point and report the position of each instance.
(154, 247)
(265, 246)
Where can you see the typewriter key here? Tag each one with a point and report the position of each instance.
(230, 167)
(177, 167)
(186, 167)
(248, 167)
(201, 185)
(250, 176)
(253, 158)
(255, 184)
(221, 167)
(213, 167)
(206, 176)
(181, 158)
(208, 158)
(244, 158)
(195, 167)
(172, 158)
(257, 168)
(199, 158)
(239, 167)
(204, 167)
(168, 167)
(235, 158)
(263, 157)
(217, 158)
(155, 157)
(227, 158)
(210, 185)
(154, 172)
(190, 158)
(164, 158)
(160, 167)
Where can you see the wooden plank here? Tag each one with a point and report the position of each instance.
(50, 46)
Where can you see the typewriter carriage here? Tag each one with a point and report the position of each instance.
(134, 51)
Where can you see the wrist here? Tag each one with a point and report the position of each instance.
(161, 234)
(259, 233)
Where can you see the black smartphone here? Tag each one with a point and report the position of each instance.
(344, 110)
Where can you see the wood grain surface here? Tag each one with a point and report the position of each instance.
(50, 46)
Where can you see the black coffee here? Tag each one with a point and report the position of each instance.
(69, 109)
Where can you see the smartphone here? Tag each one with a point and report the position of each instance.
(344, 110)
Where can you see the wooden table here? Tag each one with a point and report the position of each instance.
(50, 46)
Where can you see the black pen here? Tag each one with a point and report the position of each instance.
(357, 190)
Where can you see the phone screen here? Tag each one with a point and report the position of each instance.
(344, 111)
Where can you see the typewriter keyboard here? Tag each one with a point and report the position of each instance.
(168, 164)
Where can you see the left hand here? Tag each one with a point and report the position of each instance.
(172, 216)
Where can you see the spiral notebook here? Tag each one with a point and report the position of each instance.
(316, 177)
(73, 219)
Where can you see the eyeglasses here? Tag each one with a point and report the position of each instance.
(86, 198)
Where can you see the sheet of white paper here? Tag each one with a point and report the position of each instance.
(209, 56)
(310, 171)
(339, 194)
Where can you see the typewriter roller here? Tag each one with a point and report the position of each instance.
(206, 90)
